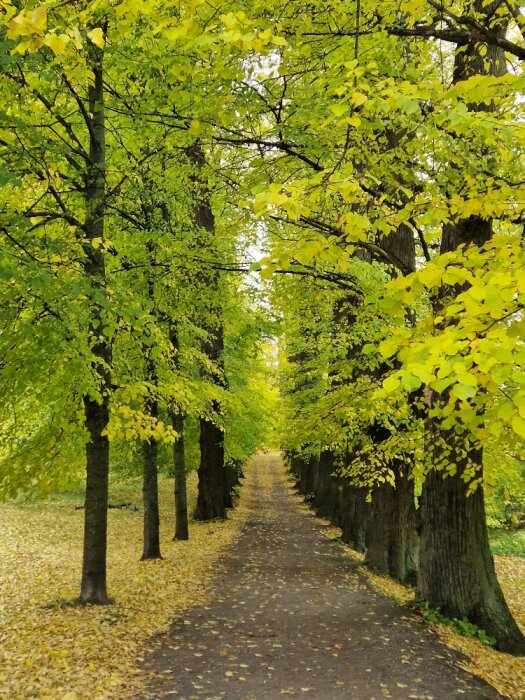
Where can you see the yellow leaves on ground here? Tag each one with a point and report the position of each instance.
(503, 671)
(52, 649)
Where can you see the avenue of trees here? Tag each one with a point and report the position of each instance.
(184, 181)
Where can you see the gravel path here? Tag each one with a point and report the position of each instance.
(290, 616)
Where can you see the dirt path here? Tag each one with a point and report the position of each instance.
(290, 617)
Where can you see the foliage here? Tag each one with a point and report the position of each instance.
(508, 543)
(463, 626)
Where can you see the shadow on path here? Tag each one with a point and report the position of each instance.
(290, 617)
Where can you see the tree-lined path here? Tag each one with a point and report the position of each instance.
(291, 617)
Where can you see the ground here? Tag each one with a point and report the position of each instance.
(267, 595)
(292, 616)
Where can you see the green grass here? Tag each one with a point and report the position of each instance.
(508, 542)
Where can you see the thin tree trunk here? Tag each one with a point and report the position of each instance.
(181, 495)
(150, 484)
(96, 408)
(179, 454)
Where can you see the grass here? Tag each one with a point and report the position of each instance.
(507, 542)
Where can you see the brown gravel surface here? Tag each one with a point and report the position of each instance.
(290, 616)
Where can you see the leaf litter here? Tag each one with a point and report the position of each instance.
(50, 648)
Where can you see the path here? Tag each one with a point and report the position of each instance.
(290, 617)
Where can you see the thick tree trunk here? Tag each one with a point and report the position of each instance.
(211, 502)
(391, 535)
(355, 515)
(326, 499)
(212, 474)
(307, 477)
(457, 573)
(210, 498)
(179, 469)
(96, 408)
(391, 539)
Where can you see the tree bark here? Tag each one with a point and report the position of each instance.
(179, 468)
(150, 486)
(212, 474)
(354, 516)
(211, 489)
(392, 545)
(96, 407)
(210, 498)
(179, 454)
(326, 500)
(457, 573)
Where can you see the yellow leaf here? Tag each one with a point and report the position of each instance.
(97, 37)
(518, 425)
(57, 43)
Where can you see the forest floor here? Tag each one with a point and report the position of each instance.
(53, 649)
(291, 615)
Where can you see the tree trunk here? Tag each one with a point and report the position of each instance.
(179, 468)
(210, 498)
(326, 500)
(391, 538)
(96, 407)
(93, 586)
(150, 491)
(354, 516)
(308, 476)
(211, 490)
(150, 451)
(179, 454)
(457, 573)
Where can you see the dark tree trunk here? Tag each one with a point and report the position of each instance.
(96, 408)
(179, 455)
(307, 476)
(150, 491)
(231, 482)
(354, 516)
(212, 476)
(179, 468)
(210, 498)
(391, 538)
(150, 451)
(93, 587)
(457, 571)
(326, 500)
